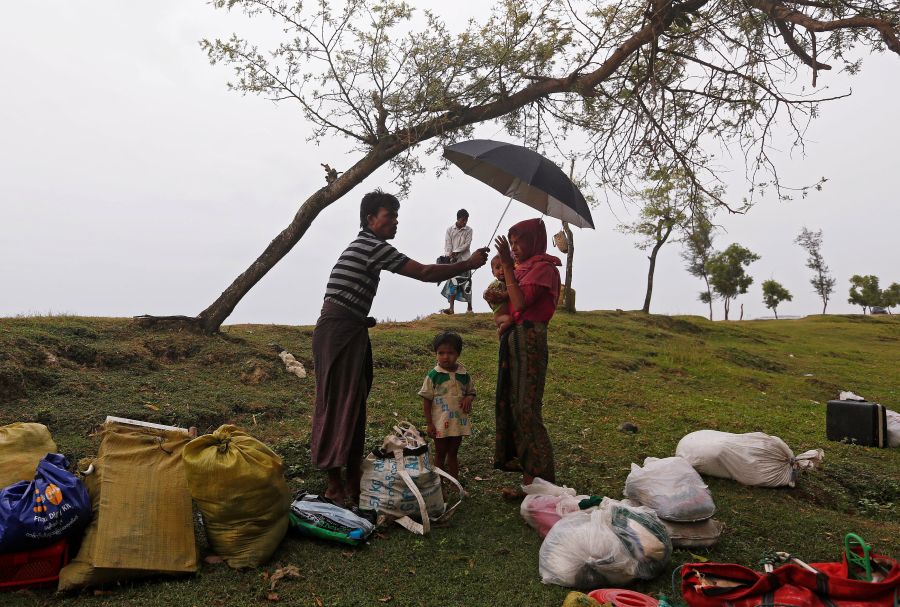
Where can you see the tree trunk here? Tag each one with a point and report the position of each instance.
(742, 312)
(568, 300)
(824, 304)
(726, 308)
(709, 295)
(776, 313)
(660, 241)
(649, 294)
(212, 317)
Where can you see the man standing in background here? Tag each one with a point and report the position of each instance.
(457, 244)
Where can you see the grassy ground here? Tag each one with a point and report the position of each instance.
(669, 376)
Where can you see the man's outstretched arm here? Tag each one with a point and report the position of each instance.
(444, 271)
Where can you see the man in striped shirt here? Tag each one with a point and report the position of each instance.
(342, 352)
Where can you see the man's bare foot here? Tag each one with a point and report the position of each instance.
(338, 497)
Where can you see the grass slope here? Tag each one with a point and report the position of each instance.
(670, 376)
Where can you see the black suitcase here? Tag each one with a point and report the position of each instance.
(856, 421)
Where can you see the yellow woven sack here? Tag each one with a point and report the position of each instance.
(22, 447)
(238, 485)
(578, 599)
(143, 520)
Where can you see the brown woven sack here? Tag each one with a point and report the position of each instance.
(238, 485)
(22, 447)
(142, 509)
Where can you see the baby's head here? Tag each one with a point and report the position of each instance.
(447, 346)
(497, 268)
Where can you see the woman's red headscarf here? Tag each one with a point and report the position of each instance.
(535, 267)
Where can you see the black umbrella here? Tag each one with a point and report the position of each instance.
(522, 174)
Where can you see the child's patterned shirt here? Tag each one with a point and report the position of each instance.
(445, 389)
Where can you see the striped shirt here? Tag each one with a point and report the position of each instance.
(354, 278)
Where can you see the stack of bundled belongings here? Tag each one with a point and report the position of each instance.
(42, 507)
(674, 490)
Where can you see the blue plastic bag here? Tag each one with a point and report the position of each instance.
(35, 514)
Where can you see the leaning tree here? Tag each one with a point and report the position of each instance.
(645, 82)
(670, 208)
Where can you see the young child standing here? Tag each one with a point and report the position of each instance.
(447, 395)
(498, 298)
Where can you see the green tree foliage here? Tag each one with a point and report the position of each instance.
(698, 248)
(773, 294)
(727, 275)
(647, 84)
(667, 207)
(865, 291)
(890, 297)
(822, 281)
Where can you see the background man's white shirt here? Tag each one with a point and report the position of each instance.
(459, 241)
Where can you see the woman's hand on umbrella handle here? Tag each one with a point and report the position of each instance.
(502, 246)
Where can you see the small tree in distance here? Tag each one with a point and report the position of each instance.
(665, 209)
(698, 249)
(773, 294)
(727, 275)
(822, 282)
(866, 292)
(890, 297)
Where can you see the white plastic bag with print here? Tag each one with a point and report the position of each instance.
(672, 488)
(400, 482)
(610, 546)
(546, 503)
(754, 458)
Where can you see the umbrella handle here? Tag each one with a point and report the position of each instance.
(497, 227)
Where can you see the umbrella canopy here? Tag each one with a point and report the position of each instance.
(522, 174)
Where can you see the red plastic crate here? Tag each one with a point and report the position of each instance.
(33, 568)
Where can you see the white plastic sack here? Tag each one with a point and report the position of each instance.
(754, 458)
(610, 546)
(672, 488)
(893, 428)
(546, 503)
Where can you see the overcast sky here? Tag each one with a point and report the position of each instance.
(132, 181)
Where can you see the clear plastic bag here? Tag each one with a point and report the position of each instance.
(546, 503)
(611, 546)
(672, 488)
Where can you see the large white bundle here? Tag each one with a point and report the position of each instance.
(611, 546)
(753, 458)
(672, 488)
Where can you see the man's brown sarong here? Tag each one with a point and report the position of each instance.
(342, 355)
